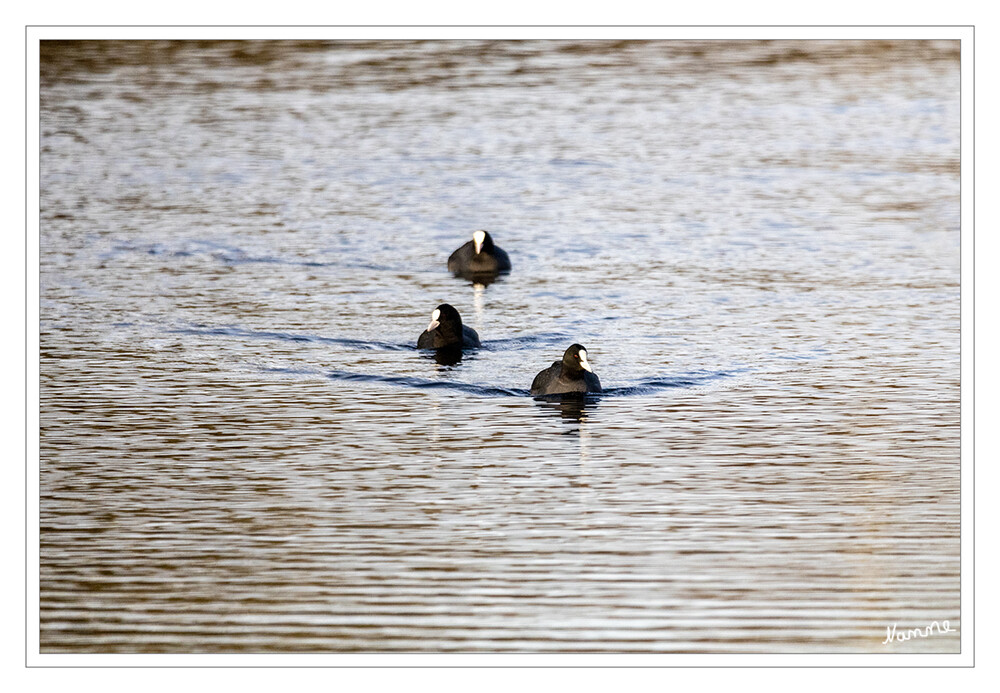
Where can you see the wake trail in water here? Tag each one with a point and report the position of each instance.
(428, 384)
(645, 387)
(363, 344)
(684, 381)
(232, 255)
(509, 344)
(406, 381)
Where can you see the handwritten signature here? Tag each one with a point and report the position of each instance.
(903, 636)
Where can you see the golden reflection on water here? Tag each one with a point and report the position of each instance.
(242, 452)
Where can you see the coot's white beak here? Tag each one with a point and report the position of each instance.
(584, 363)
(434, 320)
(478, 238)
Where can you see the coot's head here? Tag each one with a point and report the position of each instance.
(575, 359)
(481, 241)
(446, 320)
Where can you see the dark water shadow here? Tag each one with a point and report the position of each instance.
(447, 356)
(572, 408)
(484, 279)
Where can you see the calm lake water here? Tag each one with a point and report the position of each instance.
(242, 451)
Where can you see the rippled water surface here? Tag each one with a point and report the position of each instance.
(242, 450)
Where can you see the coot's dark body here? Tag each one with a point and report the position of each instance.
(446, 331)
(572, 375)
(489, 260)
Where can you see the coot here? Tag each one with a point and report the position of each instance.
(447, 331)
(479, 258)
(572, 375)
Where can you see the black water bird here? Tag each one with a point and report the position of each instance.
(446, 331)
(479, 259)
(572, 375)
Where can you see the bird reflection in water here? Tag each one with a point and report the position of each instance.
(480, 280)
(571, 408)
(447, 357)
